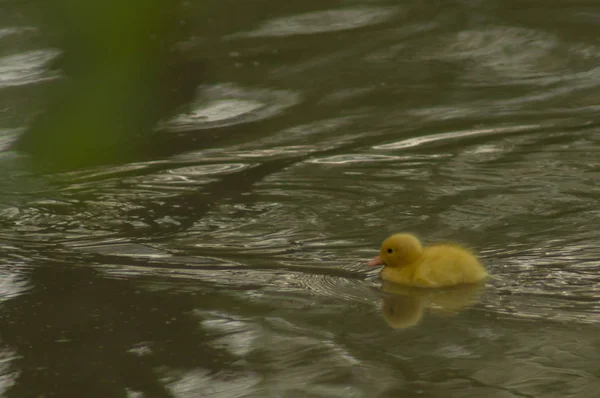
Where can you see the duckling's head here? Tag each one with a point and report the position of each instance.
(398, 250)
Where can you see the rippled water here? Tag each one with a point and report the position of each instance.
(237, 268)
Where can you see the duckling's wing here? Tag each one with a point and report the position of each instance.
(446, 265)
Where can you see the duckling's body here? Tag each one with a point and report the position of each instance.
(408, 263)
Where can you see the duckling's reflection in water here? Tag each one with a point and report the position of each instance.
(404, 306)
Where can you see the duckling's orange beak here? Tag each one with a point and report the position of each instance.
(375, 262)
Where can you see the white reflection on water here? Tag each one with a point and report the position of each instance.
(11, 284)
(354, 158)
(14, 30)
(25, 68)
(412, 142)
(7, 137)
(228, 104)
(202, 383)
(239, 337)
(207, 169)
(322, 22)
(7, 375)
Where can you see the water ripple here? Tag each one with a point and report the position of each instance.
(463, 124)
(25, 68)
(453, 135)
(322, 22)
(225, 105)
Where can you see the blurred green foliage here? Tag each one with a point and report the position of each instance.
(118, 65)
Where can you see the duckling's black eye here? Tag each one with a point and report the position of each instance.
(389, 251)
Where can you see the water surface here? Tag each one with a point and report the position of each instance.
(237, 267)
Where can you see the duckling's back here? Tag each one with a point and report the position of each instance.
(446, 265)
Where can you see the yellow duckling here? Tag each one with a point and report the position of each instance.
(408, 263)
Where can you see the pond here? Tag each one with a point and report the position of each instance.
(236, 265)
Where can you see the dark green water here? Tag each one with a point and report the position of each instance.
(237, 268)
